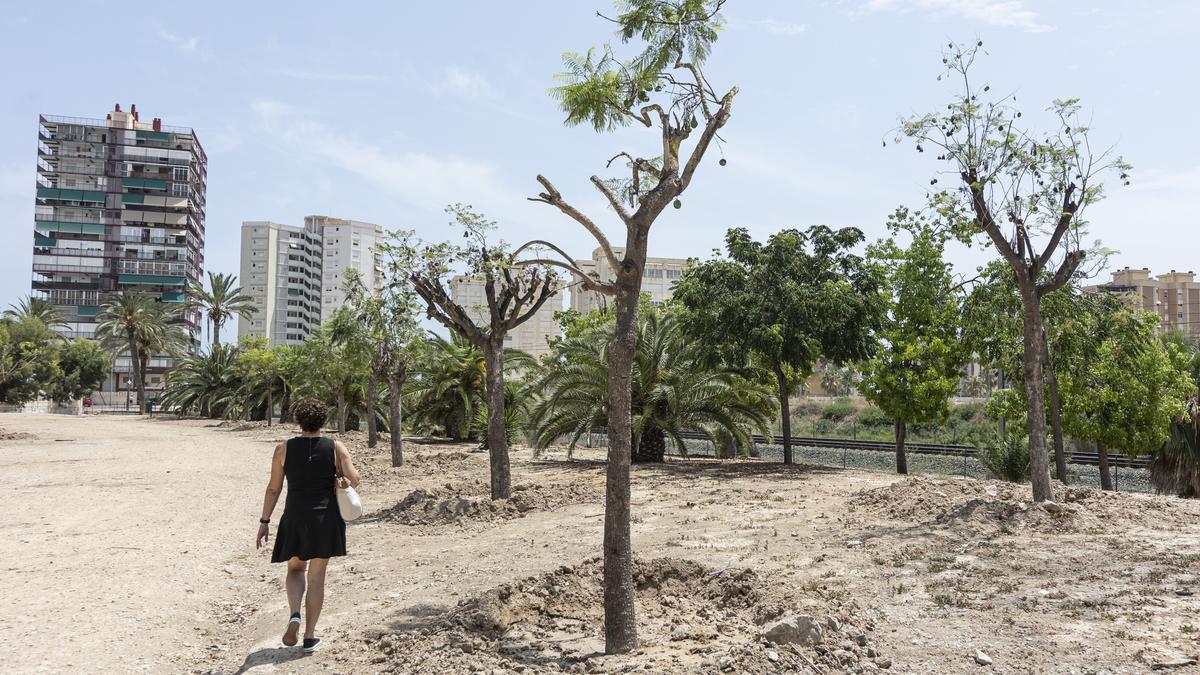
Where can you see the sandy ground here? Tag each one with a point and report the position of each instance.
(131, 550)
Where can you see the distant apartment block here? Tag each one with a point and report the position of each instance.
(119, 206)
(295, 275)
(533, 336)
(281, 272)
(348, 244)
(658, 279)
(1174, 296)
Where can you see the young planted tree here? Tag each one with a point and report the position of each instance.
(919, 364)
(799, 297)
(1027, 191)
(661, 87)
(392, 332)
(512, 295)
(337, 361)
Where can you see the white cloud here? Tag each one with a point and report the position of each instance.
(183, 44)
(1001, 13)
(463, 82)
(420, 179)
(780, 27)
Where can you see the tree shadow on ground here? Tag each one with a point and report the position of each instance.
(683, 469)
(269, 656)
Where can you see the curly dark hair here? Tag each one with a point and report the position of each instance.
(310, 414)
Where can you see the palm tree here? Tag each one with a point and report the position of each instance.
(208, 384)
(123, 318)
(676, 388)
(137, 324)
(447, 385)
(223, 300)
(1176, 466)
(36, 308)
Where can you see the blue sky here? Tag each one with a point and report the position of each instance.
(386, 113)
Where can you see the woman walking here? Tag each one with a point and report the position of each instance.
(311, 530)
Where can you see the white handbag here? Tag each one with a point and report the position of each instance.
(349, 504)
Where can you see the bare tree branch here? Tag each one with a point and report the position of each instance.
(553, 197)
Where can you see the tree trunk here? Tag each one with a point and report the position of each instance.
(372, 424)
(285, 406)
(901, 456)
(142, 364)
(136, 372)
(1106, 481)
(1060, 456)
(651, 447)
(270, 403)
(785, 412)
(395, 383)
(497, 434)
(1039, 465)
(216, 334)
(341, 409)
(620, 624)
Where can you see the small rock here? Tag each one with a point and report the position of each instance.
(991, 490)
(1051, 507)
(854, 542)
(883, 663)
(832, 622)
(798, 629)
(725, 663)
(1173, 663)
(1183, 592)
(681, 632)
(982, 658)
(772, 656)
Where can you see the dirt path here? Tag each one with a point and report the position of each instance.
(118, 532)
(134, 553)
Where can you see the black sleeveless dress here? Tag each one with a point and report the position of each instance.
(311, 526)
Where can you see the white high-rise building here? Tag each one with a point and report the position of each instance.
(532, 336)
(658, 279)
(281, 272)
(295, 275)
(348, 244)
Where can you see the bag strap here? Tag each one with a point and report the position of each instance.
(337, 470)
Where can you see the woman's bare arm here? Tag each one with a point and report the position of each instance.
(274, 489)
(346, 464)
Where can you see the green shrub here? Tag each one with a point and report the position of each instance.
(873, 418)
(966, 412)
(806, 407)
(1008, 457)
(839, 409)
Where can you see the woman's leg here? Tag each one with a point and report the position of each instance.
(295, 584)
(316, 595)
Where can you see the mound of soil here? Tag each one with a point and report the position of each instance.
(975, 504)
(690, 619)
(15, 435)
(471, 501)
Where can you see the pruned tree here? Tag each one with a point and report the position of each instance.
(918, 366)
(1027, 192)
(393, 333)
(662, 87)
(512, 294)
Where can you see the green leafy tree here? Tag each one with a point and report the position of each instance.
(82, 366)
(661, 87)
(512, 295)
(339, 358)
(1027, 191)
(221, 301)
(1130, 392)
(25, 360)
(262, 378)
(677, 387)
(917, 369)
(1175, 468)
(800, 297)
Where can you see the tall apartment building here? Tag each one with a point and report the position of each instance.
(295, 275)
(348, 244)
(532, 336)
(1174, 297)
(119, 206)
(281, 272)
(658, 279)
